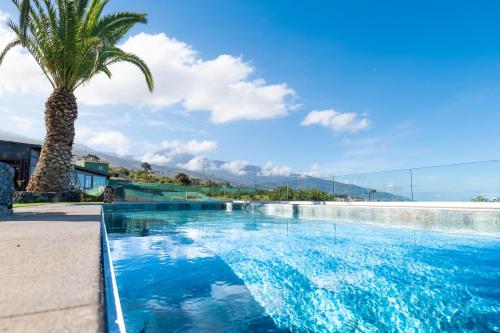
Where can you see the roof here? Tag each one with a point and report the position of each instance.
(100, 173)
(29, 144)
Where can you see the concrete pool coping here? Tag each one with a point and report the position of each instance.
(390, 204)
(114, 315)
(51, 277)
(462, 217)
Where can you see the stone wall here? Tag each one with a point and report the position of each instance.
(6, 188)
(113, 194)
(24, 197)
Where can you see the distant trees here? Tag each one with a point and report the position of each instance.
(183, 179)
(91, 157)
(282, 193)
(146, 166)
(482, 198)
(119, 171)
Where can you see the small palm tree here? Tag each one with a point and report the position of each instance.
(72, 41)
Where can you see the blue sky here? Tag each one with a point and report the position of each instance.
(423, 75)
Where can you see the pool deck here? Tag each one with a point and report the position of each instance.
(50, 269)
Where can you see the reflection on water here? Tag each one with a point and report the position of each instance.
(240, 272)
(170, 283)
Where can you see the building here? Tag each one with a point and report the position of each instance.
(23, 157)
(93, 163)
(90, 172)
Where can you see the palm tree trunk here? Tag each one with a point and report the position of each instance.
(52, 173)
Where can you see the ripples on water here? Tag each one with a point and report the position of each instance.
(239, 272)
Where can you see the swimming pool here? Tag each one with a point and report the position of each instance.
(217, 271)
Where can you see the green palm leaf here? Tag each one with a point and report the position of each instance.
(72, 40)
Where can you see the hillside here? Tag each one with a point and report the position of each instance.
(249, 175)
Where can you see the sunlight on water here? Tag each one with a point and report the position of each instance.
(308, 276)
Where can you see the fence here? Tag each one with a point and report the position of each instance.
(479, 181)
(474, 181)
(141, 191)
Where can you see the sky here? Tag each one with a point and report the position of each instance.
(313, 87)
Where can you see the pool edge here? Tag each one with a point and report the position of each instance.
(114, 315)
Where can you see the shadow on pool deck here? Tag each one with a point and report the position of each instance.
(51, 217)
(50, 274)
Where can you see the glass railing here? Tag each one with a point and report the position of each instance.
(476, 181)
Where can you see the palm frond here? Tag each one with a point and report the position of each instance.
(114, 26)
(72, 41)
(122, 56)
(9, 47)
(24, 17)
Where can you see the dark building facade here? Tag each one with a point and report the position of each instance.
(23, 157)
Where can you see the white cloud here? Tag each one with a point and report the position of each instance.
(269, 170)
(222, 86)
(19, 73)
(196, 164)
(102, 140)
(19, 124)
(201, 164)
(190, 147)
(314, 171)
(236, 167)
(153, 158)
(173, 148)
(337, 121)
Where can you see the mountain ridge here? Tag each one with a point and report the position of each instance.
(217, 170)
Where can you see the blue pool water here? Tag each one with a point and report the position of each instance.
(212, 271)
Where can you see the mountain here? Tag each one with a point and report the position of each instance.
(8, 136)
(262, 177)
(237, 174)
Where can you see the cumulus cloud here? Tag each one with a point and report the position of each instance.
(223, 86)
(270, 170)
(314, 171)
(19, 73)
(171, 148)
(19, 124)
(154, 158)
(201, 164)
(337, 121)
(235, 167)
(197, 164)
(190, 147)
(113, 141)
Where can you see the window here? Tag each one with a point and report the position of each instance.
(88, 182)
(99, 181)
(81, 180)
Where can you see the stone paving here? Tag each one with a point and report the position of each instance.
(50, 269)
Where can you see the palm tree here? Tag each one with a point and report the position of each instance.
(72, 41)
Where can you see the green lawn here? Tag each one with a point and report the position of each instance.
(53, 203)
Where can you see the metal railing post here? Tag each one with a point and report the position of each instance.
(333, 188)
(411, 183)
(287, 189)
